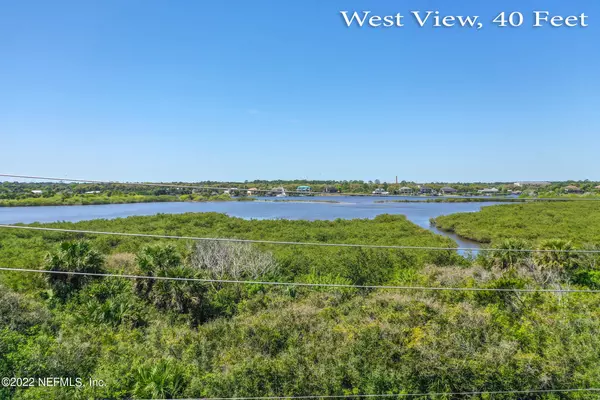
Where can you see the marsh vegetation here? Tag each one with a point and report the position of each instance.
(166, 339)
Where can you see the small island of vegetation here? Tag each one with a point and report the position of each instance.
(578, 222)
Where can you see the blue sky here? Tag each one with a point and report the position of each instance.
(236, 90)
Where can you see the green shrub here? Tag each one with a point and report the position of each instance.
(159, 379)
(78, 257)
(182, 296)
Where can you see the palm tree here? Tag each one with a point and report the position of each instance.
(179, 295)
(159, 380)
(508, 253)
(72, 257)
(556, 257)
(152, 261)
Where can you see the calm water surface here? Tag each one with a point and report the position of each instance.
(348, 207)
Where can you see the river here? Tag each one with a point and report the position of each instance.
(309, 208)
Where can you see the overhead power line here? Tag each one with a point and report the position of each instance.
(157, 184)
(355, 396)
(187, 186)
(276, 242)
(299, 284)
(153, 184)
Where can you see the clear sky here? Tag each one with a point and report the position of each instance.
(259, 89)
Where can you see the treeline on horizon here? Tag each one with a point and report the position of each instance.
(171, 339)
(17, 190)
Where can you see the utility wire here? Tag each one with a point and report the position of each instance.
(302, 284)
(186, 186)
(354, 396)
(316, 244)
(171, 185)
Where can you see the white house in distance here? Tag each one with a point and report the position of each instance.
(531, 183)
(380, 192)
(489, 192)
(37, 191)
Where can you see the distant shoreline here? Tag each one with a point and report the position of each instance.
(489, 200)
(456, 200)
(298, 201)
(104, 202)
(98, 201)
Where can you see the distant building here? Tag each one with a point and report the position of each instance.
(405, 190)
(597, 187)
(330, 189)
(448, 190)
(277, 191)
(425, 190)
(488, 191)
(93, 192)
(380, 191)
(37, 192)
(572, 189)
(252, 191)
(531, 183)
(303, 189)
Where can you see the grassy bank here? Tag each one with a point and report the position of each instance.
(578, 222)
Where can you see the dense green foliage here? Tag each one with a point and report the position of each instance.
(385, 229)
(168, 339)
(576, 221)
(97, 199)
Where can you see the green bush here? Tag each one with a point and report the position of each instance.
(183, 296)
(77, 257)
